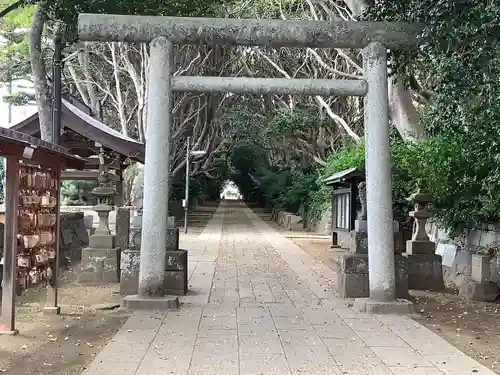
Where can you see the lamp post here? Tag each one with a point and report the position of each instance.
(189, 153)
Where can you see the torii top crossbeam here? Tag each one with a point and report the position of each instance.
(230, 31)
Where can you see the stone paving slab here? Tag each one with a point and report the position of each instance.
(259, 305)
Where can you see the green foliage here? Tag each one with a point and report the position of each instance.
(221, 169)
(14, 55)
(257, 164)
(18, 18)
(14, 51)
(19, 98)
(261, 9)
(287, 188)
(66, 11)
(78, 193)
(287, 123)
(463, 174)
(406, 173)
(459, 64)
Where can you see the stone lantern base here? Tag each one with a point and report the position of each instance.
(425, 272)
(101, 260)
(100, 265)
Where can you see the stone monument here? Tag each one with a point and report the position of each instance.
(101, 259)
(130, 259)
(176, 269)
(424, 265)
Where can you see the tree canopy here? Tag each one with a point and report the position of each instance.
(278, 147)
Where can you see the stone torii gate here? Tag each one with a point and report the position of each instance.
(163, 32)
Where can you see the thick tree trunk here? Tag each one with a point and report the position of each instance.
(120, 107)
(403, 113)
(42, 90)
(402, 110)
(94, 104)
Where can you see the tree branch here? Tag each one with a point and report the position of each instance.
(16, 5)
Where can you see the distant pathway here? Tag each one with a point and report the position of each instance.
(261, 305)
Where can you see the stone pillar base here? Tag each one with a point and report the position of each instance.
(129, 273)
(399, 306)
(353, 279)
(136, 302)
(176, 272)
(100, 266)
(425, 272)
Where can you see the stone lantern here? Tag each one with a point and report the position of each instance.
(424, 266)
(101, 260)
(420, 242)
(104, 193)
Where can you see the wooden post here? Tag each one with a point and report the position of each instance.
(352, 205)
(51, 305)
(8, 318)
(119, 198)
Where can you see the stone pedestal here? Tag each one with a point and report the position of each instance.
(172, 235)
(353, 277)
(176, 273)
(425, 272)
(480, 268)
(100, 241)
(122, 225)
(135, 232)
(129, 274)
(130, 259)
(420, 247)
(479, 287)
(100, 265)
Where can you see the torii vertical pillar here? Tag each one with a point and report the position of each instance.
(151, 288)
(378, 176)
(378, 186)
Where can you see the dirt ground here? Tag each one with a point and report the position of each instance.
(473, 327)
(64, 344)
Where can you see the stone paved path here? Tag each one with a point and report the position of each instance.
(261, 305)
